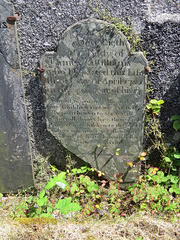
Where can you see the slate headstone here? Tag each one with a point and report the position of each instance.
(15, 158)
(94, 91)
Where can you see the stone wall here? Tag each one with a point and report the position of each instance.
(40, 27)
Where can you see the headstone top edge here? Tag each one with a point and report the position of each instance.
(94, 20)
(91, 20)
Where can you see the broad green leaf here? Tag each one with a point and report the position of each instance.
(74, 207)
(160, 102)
(46, 215)
(42, 201)
(84, 180)
(61, 175)
(95, 187)
(49, 209)
(139, 238)
(65, 206)
(156, 111)
(110, 192)
(63, 203)
(176, 125)
(160, 174)
(175, 117)
(167, 159)
(174, 188)
(177, 191)
(174, 179)
(60, 178)
(30, 199)
(39, 210)
(143, 206)
(156, 108)
(74, 188)
(41, 195)
(174, 169)
(176, 155)
(52, 182)
(148, 106)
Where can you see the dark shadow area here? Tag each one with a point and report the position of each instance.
(171, 107)
(162, 43)
(45, 142)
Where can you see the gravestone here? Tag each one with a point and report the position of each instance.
(15, 158)
(94, 91)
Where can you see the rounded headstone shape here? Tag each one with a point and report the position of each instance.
(94, 95)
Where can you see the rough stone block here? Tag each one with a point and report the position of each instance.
(15, 158)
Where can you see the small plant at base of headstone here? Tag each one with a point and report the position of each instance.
(74, 191)
(152, 127)
(170, 157)
(155, 192)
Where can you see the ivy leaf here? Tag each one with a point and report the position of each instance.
(176, 155)
(65, 206)
(41, 195)
(175, 117)
(139, 238)
(50, 184)
(148, 106)
(143, 206)
(74, 188)
(167, 159)
(160, 102)
(176, 125)
(42, 201)
(174, 189)
(174, 179)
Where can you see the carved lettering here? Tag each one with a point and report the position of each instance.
(95, 90)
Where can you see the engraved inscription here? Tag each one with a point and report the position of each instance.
(94, 94)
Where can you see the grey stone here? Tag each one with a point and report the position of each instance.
(15, 158)
(159, 39)
(94, 91)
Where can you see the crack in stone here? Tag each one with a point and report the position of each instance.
(11, 65)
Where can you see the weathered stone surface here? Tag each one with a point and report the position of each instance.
(15, 158)
(94, 95)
